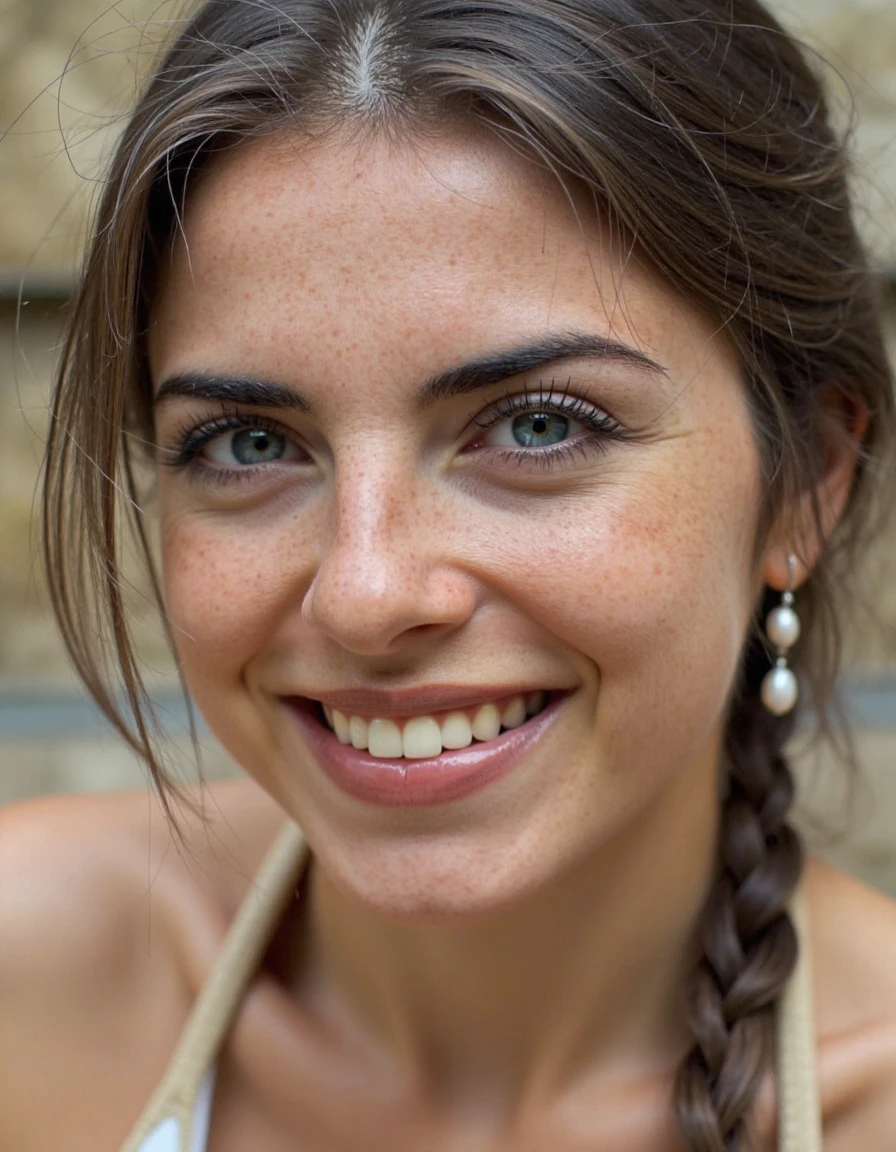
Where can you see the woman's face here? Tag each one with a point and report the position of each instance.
(584, 525)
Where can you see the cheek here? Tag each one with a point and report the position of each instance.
(649, 581)
(644, 579)
(641, 569)
(224, 586)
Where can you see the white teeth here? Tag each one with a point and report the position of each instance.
(357, 731)
(423, 736)
(487, 722)
(514, 714)
(340, 725)
(457, 731)
(384, 739)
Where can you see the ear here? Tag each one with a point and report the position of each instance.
(806, 524)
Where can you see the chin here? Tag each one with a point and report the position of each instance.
(433, 900)
(437, 877)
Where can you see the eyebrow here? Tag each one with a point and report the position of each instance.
(460, 381)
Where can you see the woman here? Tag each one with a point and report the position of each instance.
(513, 385)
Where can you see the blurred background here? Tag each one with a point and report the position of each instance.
(69, 70)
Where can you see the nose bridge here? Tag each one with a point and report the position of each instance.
(378, 558)
(375, 504)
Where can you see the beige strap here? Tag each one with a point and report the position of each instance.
(799, 1107)
(214, 1007)
(799, 1113)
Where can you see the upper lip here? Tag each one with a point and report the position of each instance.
(418, 701)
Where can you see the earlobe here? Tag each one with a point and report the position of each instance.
(808, 524)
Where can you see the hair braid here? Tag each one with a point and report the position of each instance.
(748, 940)
(733, 186)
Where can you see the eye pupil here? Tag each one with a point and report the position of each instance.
(534, 429)
(257, 445)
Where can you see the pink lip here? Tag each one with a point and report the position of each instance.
(449, 776)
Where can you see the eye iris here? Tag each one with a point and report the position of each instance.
(256, 446)
(537, 428)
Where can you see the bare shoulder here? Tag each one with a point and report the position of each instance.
(853, 933)
(853, 945)
(107, 923)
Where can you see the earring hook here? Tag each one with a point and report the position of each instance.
(791, 571)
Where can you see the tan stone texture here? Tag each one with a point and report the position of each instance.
(69, 68)
(30, 650)
(57, 135)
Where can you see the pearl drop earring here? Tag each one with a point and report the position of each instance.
(779, 687)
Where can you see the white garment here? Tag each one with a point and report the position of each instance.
(166, 1136)
(184, 1096)
(177, 1117)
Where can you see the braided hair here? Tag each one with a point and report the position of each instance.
(748, 941)
(701, 132)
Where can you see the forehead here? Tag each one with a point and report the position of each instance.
(397, 255)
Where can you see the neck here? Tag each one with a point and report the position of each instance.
(582, 978)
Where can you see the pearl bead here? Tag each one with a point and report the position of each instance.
(779, 691)
(783, 627)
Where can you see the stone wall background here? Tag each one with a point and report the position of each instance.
(68, 71)
(60, 129)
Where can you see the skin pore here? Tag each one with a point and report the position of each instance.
(506, 949)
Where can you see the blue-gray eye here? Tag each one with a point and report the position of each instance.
(530, 430)
(535, 429)
(250, 446)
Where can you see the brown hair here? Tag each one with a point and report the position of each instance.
(700, 130)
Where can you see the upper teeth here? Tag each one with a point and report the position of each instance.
(422, 736)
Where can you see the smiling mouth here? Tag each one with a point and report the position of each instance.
(425, 736)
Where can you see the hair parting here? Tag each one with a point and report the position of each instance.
(701, 133)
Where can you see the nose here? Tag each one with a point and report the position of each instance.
(388, 566)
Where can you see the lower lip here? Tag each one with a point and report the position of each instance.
(436, 780)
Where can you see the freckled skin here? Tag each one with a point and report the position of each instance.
(396, 547)
(626, 577)
(508, 960)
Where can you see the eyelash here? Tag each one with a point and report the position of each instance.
(604, 428)
(192, 438)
